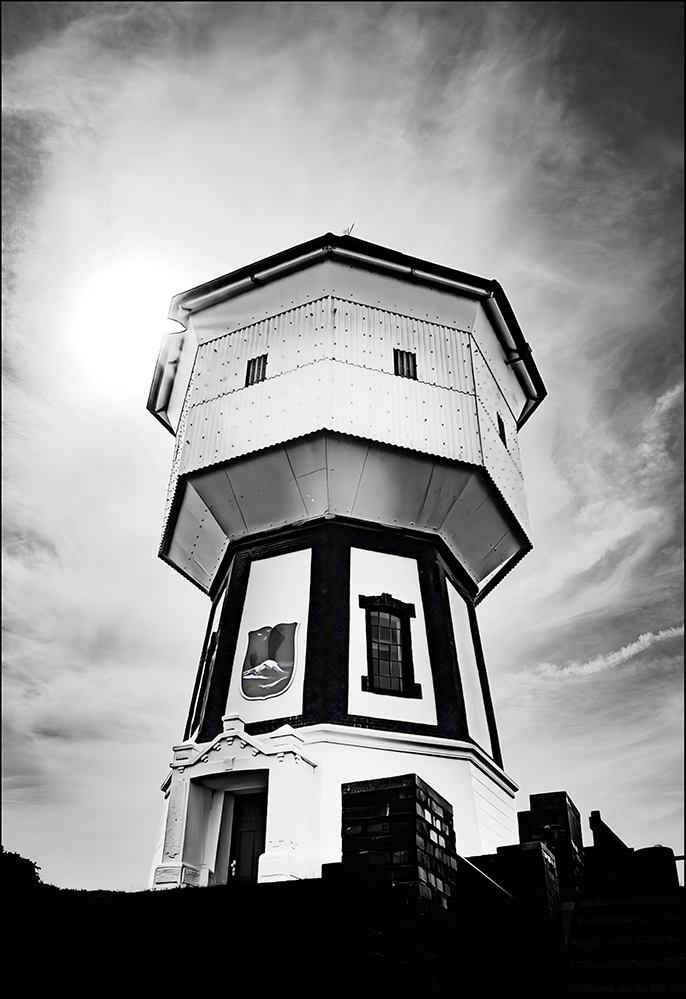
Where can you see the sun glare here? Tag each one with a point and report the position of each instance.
(118, 319)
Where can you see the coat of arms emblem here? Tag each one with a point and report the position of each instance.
(269, 662)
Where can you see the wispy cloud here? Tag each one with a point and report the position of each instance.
(553, 672)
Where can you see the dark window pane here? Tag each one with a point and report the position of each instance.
(405, 364)
(256, 370)
(386, 634)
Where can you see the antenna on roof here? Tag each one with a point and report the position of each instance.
(346, 232)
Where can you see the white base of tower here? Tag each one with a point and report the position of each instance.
(482, 795)
(303, 770)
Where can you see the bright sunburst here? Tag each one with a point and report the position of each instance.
(118, 321)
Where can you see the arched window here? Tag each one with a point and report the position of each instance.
(390, 669)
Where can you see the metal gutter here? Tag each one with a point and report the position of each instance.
(305, 254)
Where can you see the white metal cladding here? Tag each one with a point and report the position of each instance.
(501, 459)
(494, 401)
(330, 365)
(502, 467)
(338, 396)
(367, 336)
(333, 328)
(327, 473)
(492, 351)
(176, 460)
(426, 320)
(198, 543)
(291, 339)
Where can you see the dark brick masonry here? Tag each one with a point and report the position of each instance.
(617, 912)
(401, 831)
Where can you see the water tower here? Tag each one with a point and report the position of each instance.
(346, 487)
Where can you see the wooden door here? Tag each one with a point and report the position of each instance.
(248, 836)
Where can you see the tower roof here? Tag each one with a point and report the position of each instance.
(339, 320)
(370, 256)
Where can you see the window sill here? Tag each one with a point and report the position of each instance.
(415, 691)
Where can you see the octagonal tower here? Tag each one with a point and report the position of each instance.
(346, 487)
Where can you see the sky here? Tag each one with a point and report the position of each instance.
(150, 147)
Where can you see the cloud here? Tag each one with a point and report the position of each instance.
(25, 779)
(608, 555)
(657, 454)
(549, 670)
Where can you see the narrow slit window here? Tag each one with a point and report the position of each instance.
(207, 669)
(405, 363)
(257, 370)
(501, 429)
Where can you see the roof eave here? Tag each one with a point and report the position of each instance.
(305, 254)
